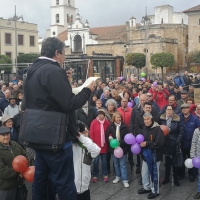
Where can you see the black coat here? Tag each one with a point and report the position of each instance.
(186, 79)
(175, 135)
(139, 121)
(86, 119)
(123, 131)
(155, 140)
(48, 89)
(135, 112)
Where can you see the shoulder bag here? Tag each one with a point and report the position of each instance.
(178, 158)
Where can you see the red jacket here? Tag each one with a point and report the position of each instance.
(161, 98)
(126, 115)
(95, 134)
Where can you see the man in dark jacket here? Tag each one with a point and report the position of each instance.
(190, 123)
(47, 88)
(86, 114)
(187, 80)
(4, 102)
(152, 153)
(139, 121)
(172, 102)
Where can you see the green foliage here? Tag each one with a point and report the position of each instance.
(5, 60)
(163, 59)
(27, 58)
(136, 59)
(194, 57)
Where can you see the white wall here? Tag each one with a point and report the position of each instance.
(178, 17)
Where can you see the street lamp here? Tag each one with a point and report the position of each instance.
(15, 18)
(146, 21)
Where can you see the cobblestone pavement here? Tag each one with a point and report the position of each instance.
(110, 191)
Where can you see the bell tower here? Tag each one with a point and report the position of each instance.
(63, 13)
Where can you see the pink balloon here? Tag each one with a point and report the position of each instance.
(136, 148)
(118, 152)
(139, 138)
(130, 138)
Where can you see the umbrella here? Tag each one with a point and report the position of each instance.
(130, 159)
(150, 158)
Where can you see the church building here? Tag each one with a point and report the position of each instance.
(167, 31)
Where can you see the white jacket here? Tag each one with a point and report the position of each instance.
(83, 171)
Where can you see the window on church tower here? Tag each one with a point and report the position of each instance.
(199, 21)
(69, 2)
(72, 18)
(199, 39)
(162, 21)
(78, 43)
(57, 18)
(57, 2)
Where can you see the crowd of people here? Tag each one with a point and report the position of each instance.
(107, 110)
(141, 106)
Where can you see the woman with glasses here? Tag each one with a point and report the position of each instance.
(172, 140)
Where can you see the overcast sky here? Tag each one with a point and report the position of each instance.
(97, 12)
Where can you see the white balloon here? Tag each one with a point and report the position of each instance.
(86, 83)
(188, 163)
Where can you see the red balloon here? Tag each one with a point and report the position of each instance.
(165, 129)
(28, 174)
(20, 163)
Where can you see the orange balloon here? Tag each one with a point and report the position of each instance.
(20, 163)
(165, 129)
(28, 174)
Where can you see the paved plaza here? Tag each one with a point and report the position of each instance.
(110, 191)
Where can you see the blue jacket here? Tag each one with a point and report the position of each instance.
(179, 80)
(3, 104)
(189, 126)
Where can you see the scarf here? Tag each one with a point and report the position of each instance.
(102, 131)
(118, 131)
(85, 108)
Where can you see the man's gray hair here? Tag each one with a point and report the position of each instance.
(147, 114)
(112, 102)
(106, 88)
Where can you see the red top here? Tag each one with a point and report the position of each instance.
(95, 134)
(161, 98)
(126, 115)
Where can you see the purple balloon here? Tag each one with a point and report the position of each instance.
(136, 148)
(154, 83)
(130, 105)
(129, 139)
(139, 138)
(121, 78)
(196, 162)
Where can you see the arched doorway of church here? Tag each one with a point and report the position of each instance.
(78, 43)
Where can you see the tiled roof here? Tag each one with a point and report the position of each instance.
(62, 36)
(193, 9)
(109, 32)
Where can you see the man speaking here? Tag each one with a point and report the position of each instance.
(47, 89)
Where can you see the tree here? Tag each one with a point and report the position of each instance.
(136, 59)
(5, 60)
(162, 60)
(194, 57)
(27, 58)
